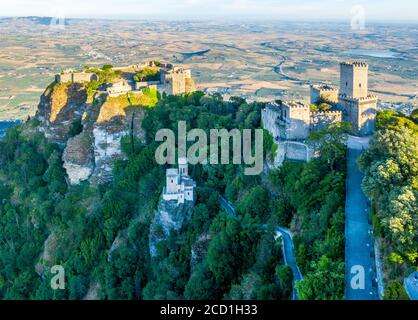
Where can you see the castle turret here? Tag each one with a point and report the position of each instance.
(358, 106)
(354, 79)
(183, 169)
(288, 120)
(172, 177)
(295, 120)
(323, 93)
(176, 81)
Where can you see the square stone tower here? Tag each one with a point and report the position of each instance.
(354, 79)
(176, 81)
(294, 120)
(358, 106)
(323, 93)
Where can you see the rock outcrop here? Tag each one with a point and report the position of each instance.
(169, 217)
(199, 250)
(78, 158)
(60, 106)
(103, 121)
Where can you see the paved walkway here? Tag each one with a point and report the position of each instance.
(359, 249)
(228, 207)
(289, 257)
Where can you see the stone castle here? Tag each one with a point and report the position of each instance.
(75, 77)
(293, 121)
(358, 106)
(172, 80)
(179, 186)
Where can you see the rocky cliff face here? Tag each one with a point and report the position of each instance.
(199, 250)
(60, 105)
(78, 158)
(89, 154)
(169, 217)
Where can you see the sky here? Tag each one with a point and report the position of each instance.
(374, 10)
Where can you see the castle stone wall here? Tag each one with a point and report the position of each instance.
(297, 120)
(66, 77)
(367, 117)
(84, 77)
(269, 116)
(323, 92)
(146, 84)
(190, 85)
(178, 83)
(361, 113)
(76, 77)
(297, 152)
(292, 150)
(321, 119)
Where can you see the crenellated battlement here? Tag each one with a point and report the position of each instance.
(357, 64)
(324, 87)
(323, 93)
(370, 97)
(273, 105)
(295, 105)
(321, 119)
(330, 113)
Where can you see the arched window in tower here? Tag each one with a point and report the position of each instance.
(359, 85)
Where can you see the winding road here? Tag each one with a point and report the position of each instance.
(288, 250)
(289, 257)
(225, 204)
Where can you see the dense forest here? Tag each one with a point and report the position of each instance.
(391, 181)
(45, 222)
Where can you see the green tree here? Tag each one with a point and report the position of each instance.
(326, 282)
(284, 278)
(395, 291)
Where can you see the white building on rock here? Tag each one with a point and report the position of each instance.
(179, 186)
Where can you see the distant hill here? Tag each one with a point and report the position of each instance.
(46, 21)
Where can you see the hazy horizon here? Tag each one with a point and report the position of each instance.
(215, 19)
(280, 10)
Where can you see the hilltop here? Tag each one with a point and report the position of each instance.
(89, 111)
